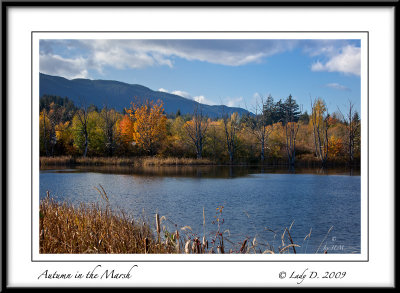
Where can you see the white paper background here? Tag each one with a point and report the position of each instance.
(378, 271)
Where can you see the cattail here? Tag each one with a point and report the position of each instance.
(242, 249)
(158, 229)
(194, 246)
(197, 246)
(146, 245)
(205, 243)
(158, 223)
(178, 248)
(254, 241)
(187, 246)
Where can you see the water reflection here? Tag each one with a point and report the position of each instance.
(203, 171)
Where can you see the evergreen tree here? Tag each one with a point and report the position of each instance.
(304, 118)
(291, 108)
(279, 112)
(269, 111)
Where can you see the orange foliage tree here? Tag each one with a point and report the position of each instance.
(335, 146)
(126, 128)
(149, 125)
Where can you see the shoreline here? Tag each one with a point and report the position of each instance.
(173, 161)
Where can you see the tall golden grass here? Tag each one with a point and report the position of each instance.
(122, 161)
(96, 228)
(89, 229)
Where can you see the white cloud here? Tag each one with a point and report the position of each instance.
(203, 100)
(337, 86)
(234, 102)
(200, 99)
(347, 61)
(123, 54)
(68, 68)
(182, 94)
(163, 90)
(77, 57)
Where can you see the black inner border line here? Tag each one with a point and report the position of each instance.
(206, 3)
(228, 32)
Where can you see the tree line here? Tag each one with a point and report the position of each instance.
(273, 132)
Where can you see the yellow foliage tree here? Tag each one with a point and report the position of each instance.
(65, 137)
(320, 127)
(149, 126)
(335, 146)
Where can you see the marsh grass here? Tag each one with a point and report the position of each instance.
(96, 228)
(88, 229)
(121, 161)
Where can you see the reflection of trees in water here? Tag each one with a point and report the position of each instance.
(208, 171)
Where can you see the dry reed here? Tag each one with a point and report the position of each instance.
(89, 228)
(121, 161)
(96, 228)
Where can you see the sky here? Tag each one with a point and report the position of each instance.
(234, 72)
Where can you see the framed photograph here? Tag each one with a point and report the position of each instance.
(249, 145)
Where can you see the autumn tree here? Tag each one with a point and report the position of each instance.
(196, 129)
(44, 132)
(291, 125)
(51, 115)
(55, 115)
(335, 146)
(149, 125)
(215, 140)
(231, 127)
(110, 118)
(80, 122)
(65, 139)
(126, 128)
(68, 107)
(319, 120)
(260, 124)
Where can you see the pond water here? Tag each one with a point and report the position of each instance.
(257, 202)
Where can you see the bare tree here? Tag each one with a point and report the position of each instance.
(291, 129)
(196, 129)
(320, 129)
(231, 127)
(260, 125)
(352, 128)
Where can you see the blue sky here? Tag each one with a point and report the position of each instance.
(230, 72)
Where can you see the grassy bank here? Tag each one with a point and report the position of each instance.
(307, 161)
(121, 161)
(96, 228)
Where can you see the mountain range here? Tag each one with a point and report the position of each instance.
(119, 95)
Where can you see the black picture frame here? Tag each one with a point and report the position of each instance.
(37, 4)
